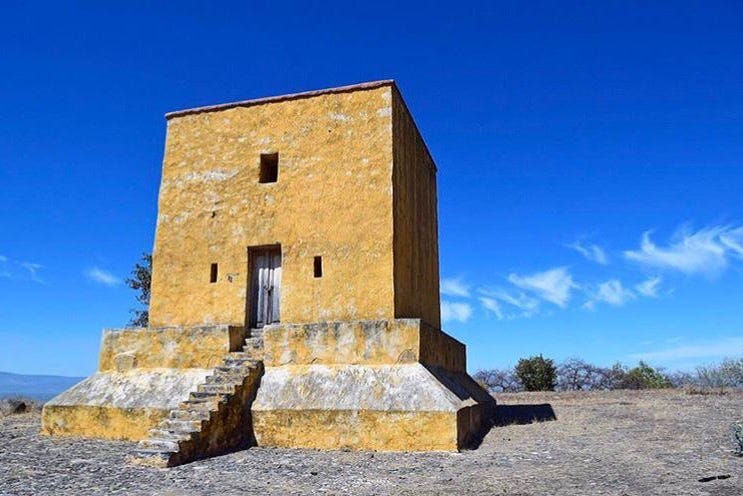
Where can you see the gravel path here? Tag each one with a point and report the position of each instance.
(623, 443)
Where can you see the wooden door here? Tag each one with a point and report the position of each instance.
(265, 290)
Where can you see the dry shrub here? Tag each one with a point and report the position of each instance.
(737, 429)
(18, 405)
(695, 389)
(499, 381)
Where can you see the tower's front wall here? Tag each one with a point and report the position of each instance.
(333, 199)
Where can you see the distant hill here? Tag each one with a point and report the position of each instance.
(39, 387)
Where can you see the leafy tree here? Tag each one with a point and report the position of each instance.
(140, 281)
(537, 373)
(644, 377)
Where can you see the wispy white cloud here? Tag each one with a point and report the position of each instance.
(4, 272)
(554, 285)
(591, 252)
(721, 348)
(508, 306)
(452, 311)
(705, 251)
(613, 293)
(20, 270)
(101, 276)
(649, 287)
(454, 287)
(492, 305)
(733, 240)
(33, 270)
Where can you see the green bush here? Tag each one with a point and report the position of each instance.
(537, 373)
(643, 377)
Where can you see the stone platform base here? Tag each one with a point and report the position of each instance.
(382, 385)
(119, 405)
(387, 408)
(143, 374)
(395, 385)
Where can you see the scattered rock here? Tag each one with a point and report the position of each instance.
(594, 448)
(714, 477)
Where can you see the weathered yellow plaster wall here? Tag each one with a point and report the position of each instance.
(105, 422)
(142, 374)
(440, 349)
(415, 221)
(349, 342)
(333, 198)
(169, 347)
(366, 342)
(384, 385)
(368, 430)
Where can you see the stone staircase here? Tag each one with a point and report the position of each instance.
(216, 419)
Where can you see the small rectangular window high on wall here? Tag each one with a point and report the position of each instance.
(213, 273)
(269, 168)
(318, 266)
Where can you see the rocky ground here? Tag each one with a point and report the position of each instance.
(623, 443)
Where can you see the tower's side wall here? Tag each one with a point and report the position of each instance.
(333, 199)
(415, 221)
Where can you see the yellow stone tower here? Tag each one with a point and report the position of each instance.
(295, 290)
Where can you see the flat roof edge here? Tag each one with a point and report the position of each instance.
(280, 98)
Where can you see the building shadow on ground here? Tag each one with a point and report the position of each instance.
(513, 415)
(522, 414)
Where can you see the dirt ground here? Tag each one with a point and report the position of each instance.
(619, 443)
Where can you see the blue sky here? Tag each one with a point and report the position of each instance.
(590, 160)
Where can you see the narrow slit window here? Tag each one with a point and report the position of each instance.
(269, 167)
(318, 266)
(213, 273)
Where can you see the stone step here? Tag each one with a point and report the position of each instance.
(244, 355)
(241, 366)
(235, 378)
(208, 397)
(256, 333)
(181, 425)
(158, 444)
(245, 362)
(167, 434)
(199, 405)
(152, 457)
(254, 342)
(223, 388)
(190, 415)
